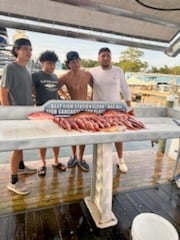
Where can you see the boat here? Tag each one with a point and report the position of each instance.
(56, 209)
(153, 88)
(5, 50)
(3, 37)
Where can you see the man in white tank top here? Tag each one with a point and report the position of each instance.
(109, 83)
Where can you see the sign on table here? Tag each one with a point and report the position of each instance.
(66, 108)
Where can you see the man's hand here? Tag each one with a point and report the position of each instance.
(4, 96)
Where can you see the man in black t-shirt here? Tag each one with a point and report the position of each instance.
(45, 87)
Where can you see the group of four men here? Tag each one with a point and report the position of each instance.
(18, 84)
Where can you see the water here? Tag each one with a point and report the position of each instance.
(154, 78)
(33, 155)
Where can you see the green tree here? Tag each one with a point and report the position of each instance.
(88, 63)
(176, 70)
(153, 70)
(64, 65)
(130, 60)
(166, 70)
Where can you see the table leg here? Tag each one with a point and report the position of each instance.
(177, 162)
(100, 201)
(162, 146)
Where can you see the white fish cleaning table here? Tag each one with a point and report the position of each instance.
(18, 133)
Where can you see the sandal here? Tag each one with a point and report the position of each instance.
(42, 171)
(60, 167)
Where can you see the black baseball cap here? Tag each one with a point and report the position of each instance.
(19, 43)
(72, 55)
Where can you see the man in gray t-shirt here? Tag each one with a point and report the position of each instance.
(16, 79)
(16, 89)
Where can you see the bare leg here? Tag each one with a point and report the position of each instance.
(56, 155)
(74, 153)
(82, 163)
(42, 153)
(81, 152)
(119, 149)
(56, 164)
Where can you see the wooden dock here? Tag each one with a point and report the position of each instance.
(149, 97)
(55, 208)
(152, 97)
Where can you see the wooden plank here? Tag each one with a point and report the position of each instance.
(149, 93)
(170, 189)
(152, 199)
(125, 213)
(167, 208)
(146, 168)
(42, 224)
(163, 207)
(133, 197)
(73, 223)
(12, 227)
(113, 233)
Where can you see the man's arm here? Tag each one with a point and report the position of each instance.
(128, 103)
(63, 94)
(33, 91)
(90, 83)
(125, 90)
(62, 81)
(90, 80)
(4, 96)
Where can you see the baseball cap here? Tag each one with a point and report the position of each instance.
(72, 55)
(21, 42)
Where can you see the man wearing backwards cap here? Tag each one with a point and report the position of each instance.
(72, 56)
(16, 89)
(76, 82)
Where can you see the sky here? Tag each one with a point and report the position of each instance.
(89, 49)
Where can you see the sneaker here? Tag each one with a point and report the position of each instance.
(72, 162)
(178, 182)
(122, 166)
(26, 171)
(19, 188)
(83, 165)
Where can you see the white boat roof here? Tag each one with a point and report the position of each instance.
(151, 24)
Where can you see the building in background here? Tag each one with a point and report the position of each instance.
(19, 34)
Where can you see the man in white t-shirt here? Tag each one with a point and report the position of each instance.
(108, 83)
